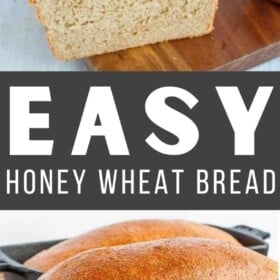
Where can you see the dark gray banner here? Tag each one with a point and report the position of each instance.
(139, 141)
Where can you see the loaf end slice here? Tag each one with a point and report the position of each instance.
(84, 28)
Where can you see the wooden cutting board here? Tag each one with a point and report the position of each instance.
(247, 33)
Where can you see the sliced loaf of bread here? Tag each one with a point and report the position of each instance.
(83, 28)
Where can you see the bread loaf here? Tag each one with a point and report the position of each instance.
(124, 233)
(83, 28)
(169, 259)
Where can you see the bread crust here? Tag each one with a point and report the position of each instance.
(171, 259)
(124, 233)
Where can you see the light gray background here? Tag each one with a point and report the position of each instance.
(23, 46)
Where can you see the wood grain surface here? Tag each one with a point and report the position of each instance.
(1, 276)
(247, 33)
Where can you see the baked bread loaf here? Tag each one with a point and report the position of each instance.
(124, 233)
(169, 259)
(83, 28)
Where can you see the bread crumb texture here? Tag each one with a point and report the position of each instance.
(169, 259)
(83, 28)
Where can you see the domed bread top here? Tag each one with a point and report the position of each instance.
(169, 259)
(124, 233)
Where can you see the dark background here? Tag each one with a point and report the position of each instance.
(215, 149)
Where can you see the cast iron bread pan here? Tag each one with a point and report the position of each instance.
(12, 257)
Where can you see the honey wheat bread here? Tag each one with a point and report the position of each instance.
(169, 259)
(83, 28)
(124, 233)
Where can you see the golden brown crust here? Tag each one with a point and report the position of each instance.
(169, 259)
(124, 233)
(39, 15)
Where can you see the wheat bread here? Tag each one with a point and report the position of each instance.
(169, 259)
(124, 233)
(83, 28)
